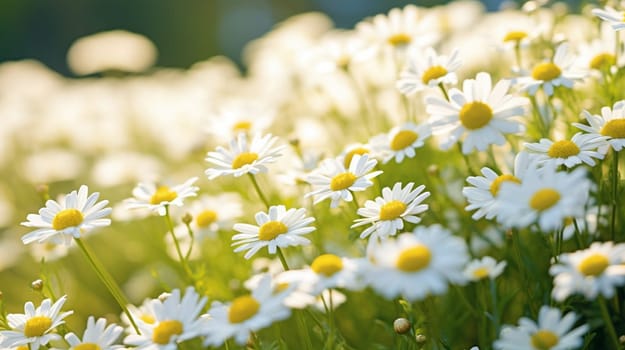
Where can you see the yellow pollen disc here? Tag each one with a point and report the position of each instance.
(515, 36)
(480, 272)
(496, 184)
(403, 139)
(22, 347)
(327, 264)
(414, 259)
(242, 308)
(36, 326)
(615, 128)
(67, 218)
(392, 210)
(206, 218)
(544, 339)
(399, 39)
(271, 230)
(244, 158)
(163, 194)
(432, 73)
(342, 181)
(242, 126)
(279, 287)
(594, 265)
(602, 61)
(350, 155)
(563, 149)
(165, 330)
(149, 319)
(544, 199)
(87, 346)
(546, 71)
(343, 61)
(475, 115)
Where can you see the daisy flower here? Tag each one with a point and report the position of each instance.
(332, 180)
(242, 157)
(212, 214)
(428, 70)
(544, 196)
(479, 269)
(351, 150)
(97, 335)
(597, 270)
(480, 114)
(159, 198)
(144, 312)
(552, 331)
(34, 327)
(400, 142)
(176, 319)
(582, 148)
(277, 228)
(615, 18)
(557, 72)
(417, 264)
(611, 124)
(388, 213)
(240, 116)
(598, 55)
(68, 218)
(246, 314)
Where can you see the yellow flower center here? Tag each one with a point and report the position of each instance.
(206, 218)
(392, 210)
(544, 199)
(36, 326)
(594, 265)
(149, 319)
(165, 330)
(615, 128)
(327, 264)
(87, 346)
(514, 36)
(350, 155)
(242, 308)
(475, 115)
(242, 126)
(480, 272)
(602, 61)
(271, 230)
(546, 71)
(496, 184)
(432, 73)
(23, 347)
(342, 181)
(403, 139)
(67, 218)
(163, 194)
(244, 158)
(563, 149)
(414, 259)
(544, 339)
(399, 39)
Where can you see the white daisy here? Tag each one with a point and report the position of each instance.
(388, 213)
(97, 335)
(246, 314)
(479, 269)
(598, 55)
(243, 158)
(582, 148)
(212, 214)
(610, 124)
(544, 196)
(332, 179)
(240, 116)
(615, 18)
(400, 142)
(557, 72)
(34, 327)
(69, 218)
(143, 312)
(417, 264)
(278, 228)
(480, 114)
(428, 70)
(597, 270)
(158, 198)
(176, 319)
(352, 149)
(553, 331)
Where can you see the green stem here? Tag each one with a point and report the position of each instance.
(615, 177)
(355, 202)
(517, 54)
(108, 281)
(493, 292)
(258, 190)
(443, 90)
(183, 261)
(282, 259)
(608, 322)
(329, 313)
(190, 231)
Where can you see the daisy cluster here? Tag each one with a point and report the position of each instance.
(433, 178)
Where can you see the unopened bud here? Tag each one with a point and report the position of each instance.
(433, 170)
(420, 338)
(621, 339)
(44, 191)
(401, 325)
(164, 296)
(187, 218)
(37, 285)
(294, 141)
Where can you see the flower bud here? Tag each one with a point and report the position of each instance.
(401, 325)
(420, 338)
(37, 285)
(187, 218)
